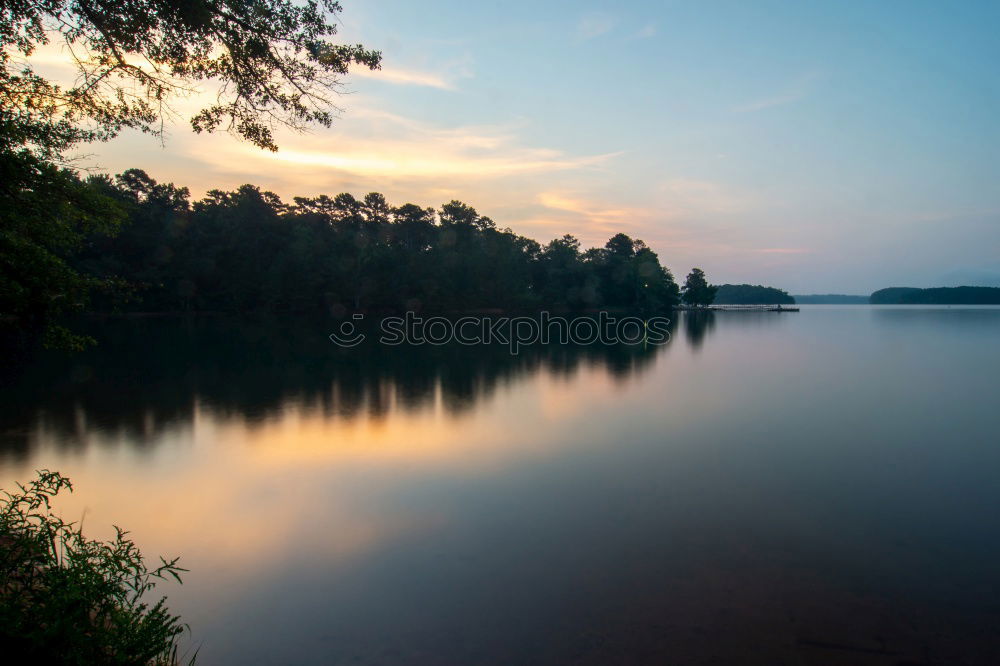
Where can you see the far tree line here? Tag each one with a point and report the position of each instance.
(132, 244)
(752, 294)
(936, 296)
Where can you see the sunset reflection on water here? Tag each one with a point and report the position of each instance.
(370, 505)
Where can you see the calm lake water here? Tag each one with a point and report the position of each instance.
(807, 488)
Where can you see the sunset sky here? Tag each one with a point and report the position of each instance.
(841, 148)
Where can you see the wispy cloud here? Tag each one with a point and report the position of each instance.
(398, 159)
(590, 218)
(646, 31)
(595, 24)
(769, 102)
(595, 211)
(795, 91)
(393, 151)
(406, 77)
(444, 77)
(678, 213)
(692, 197)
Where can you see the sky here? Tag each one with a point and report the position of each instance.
(817, 147)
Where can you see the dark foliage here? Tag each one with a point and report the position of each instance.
(46, 213)
(65, 599)
(830, 299)
(697, 291)
(247, 251)
(936, 296)
(272, 63)
(749, 294)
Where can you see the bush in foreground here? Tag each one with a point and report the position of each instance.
(65, 599)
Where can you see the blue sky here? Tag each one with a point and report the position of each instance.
(818, 147)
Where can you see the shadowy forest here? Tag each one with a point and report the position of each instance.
(830, 299)
(750, 294)
(149, 247)
(936, 296)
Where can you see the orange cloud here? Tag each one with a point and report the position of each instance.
(408, 77)
(383, 146)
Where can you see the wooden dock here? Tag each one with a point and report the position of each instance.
(753, 308)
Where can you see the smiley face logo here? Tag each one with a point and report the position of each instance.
(348, 335)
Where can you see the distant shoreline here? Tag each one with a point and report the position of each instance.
(936, 296)
(830, 299)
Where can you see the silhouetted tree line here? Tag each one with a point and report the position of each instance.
(750, 294)
(936, 296)
(247, 250)
(830, 299)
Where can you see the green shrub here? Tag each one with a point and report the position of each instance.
(65, 599)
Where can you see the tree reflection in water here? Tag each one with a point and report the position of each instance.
(151, 373)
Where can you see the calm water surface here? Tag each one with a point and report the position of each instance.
(804, 488)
